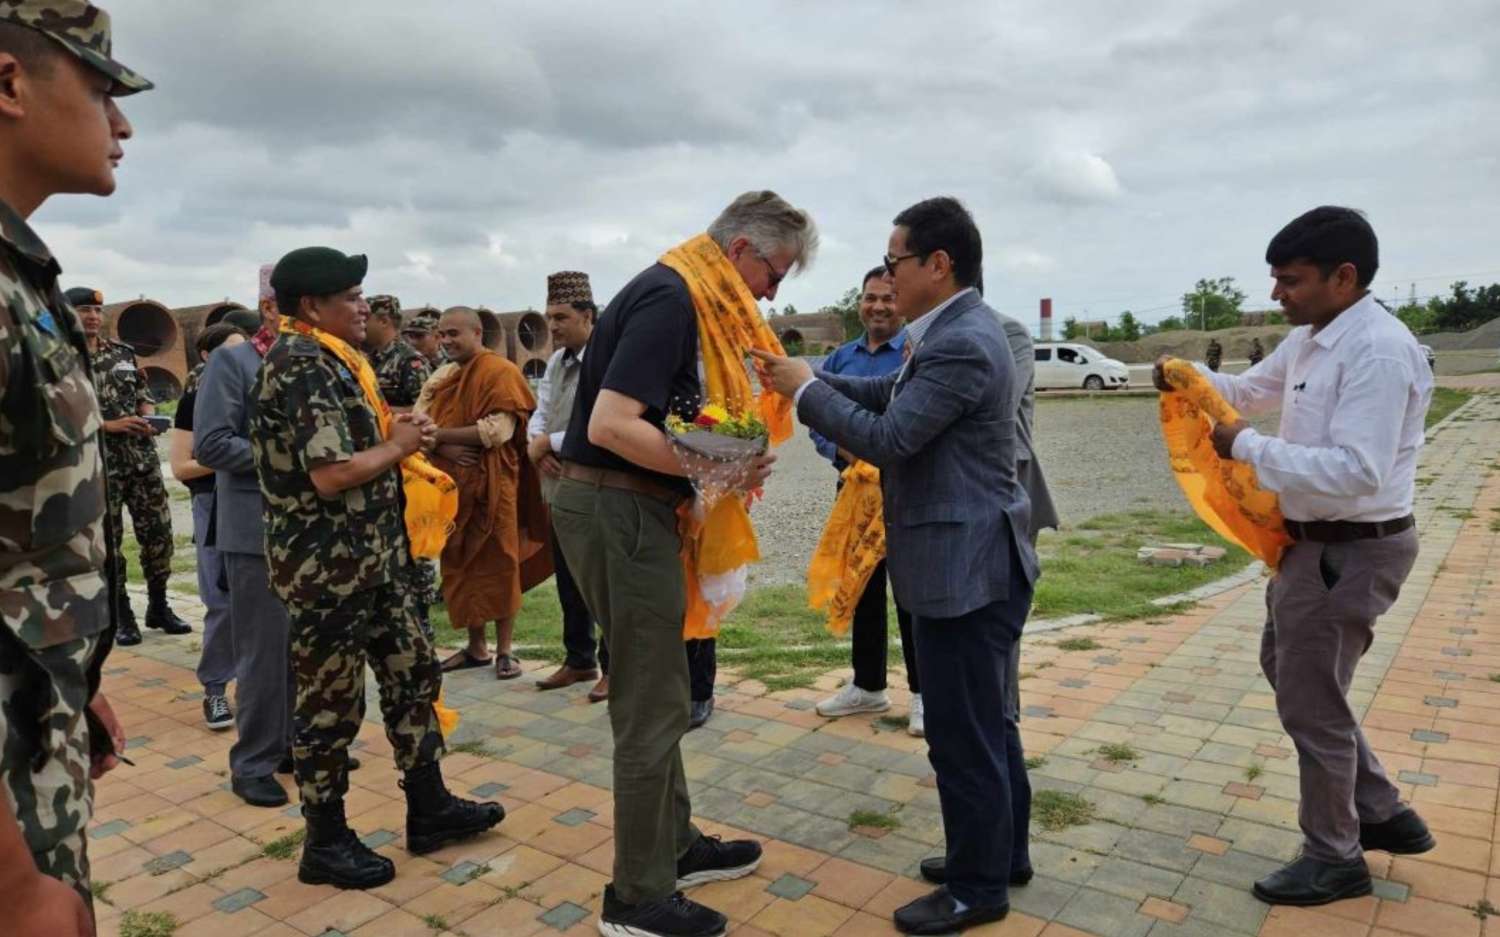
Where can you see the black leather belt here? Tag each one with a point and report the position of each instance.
(1346, 531)
(624, 481)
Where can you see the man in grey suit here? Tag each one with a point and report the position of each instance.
(258, 620)
(943, 432)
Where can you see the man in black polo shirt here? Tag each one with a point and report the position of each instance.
(615, 515)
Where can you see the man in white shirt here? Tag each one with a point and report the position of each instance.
(570, 319)
(1353, 388)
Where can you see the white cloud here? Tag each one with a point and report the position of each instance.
(1076, 176)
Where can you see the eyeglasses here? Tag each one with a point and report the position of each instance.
(891, 263)
(775, 276)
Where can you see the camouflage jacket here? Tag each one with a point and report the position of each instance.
(401, 371)
(309, 410)
(194, 378)
(121, 387)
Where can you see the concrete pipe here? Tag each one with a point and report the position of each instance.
(194, 319)
(534, 368)
(531, 332)
(164, 384)
(144, 324)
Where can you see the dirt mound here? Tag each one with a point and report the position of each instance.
(1483, 338)
(1193, 345)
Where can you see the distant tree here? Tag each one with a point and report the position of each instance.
(1275, 318)
(1170, 324)
(1213, 304)
(1129, 330)
(1418, 317)
(789, 310)
(847, 309)
(1071, 329)
(1466, 308)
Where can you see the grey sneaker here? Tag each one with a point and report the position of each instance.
(851, 699)
(216, 712)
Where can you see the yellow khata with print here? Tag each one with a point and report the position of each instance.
(852, 545)
(1223, 492)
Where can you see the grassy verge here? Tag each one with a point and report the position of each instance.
(1444, 401)
(775, 638)
(184, 556)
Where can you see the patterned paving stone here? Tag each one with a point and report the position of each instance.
(161, 865)
(575, 817)
(1391, 891)
(106, 830)
(1428, 735)
(184, 762)
(238, 900)
(791, 887)
(378, 838)
(1440, 702)
(564, 916)
(462, 873)
(1417, 777)
(489, 789)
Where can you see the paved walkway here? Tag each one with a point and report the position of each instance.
(1165, 727)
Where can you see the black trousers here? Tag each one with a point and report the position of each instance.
(869, 638)
(973, 746)
(703, 667)
(578, 624)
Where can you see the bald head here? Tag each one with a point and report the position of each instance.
(461, 333)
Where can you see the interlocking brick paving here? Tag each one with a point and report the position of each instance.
(1206, 805)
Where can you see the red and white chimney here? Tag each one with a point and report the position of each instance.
(1047, 320)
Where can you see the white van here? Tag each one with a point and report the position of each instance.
(1060, 364)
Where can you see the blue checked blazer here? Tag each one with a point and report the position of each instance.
(943, 433)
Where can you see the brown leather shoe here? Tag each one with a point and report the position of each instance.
(600, 692)
(566, 676)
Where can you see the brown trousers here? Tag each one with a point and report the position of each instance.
(1321, 608)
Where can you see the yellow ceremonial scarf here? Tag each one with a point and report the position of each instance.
(1223, 492)
(852, 545)
(729, 324)
(431, 496)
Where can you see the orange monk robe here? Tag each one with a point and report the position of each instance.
(501, 542)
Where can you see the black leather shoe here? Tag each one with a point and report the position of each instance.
(1307, 881)
(434, 817)
(711, 859)
(159, 614)
(936, 913)
(699, 712)
(259, 792)
(672, 916)
(333, 854)
(127, 632)
(935, 870)
(1404, 834)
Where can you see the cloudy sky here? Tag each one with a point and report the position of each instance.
(1111, 153)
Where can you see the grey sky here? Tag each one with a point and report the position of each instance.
(1111, 154)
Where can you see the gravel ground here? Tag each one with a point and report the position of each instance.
(1101, 454)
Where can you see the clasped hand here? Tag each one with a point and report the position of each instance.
(413, 431)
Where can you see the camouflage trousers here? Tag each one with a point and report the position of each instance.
(141, 489)
(424, 586)
(331, 643)
(52, 806)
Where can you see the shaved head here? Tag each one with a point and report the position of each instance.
(461, 333)
(461, 318)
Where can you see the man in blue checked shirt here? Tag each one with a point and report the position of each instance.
(881, 350)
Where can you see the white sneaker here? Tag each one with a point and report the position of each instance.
(914, 724)
(851, 699)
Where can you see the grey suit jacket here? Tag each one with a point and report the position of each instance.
(1028, 466)
(221, 441)
(943, 433)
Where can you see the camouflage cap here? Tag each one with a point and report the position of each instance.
(423, 320)
(84, 296)
(567, 287)
(386, 305)
(82, 29)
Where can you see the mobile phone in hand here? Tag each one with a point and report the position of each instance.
(159, 424)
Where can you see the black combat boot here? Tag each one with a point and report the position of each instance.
(333, 855)
(127, 632)
(160, 615)
(435, 817)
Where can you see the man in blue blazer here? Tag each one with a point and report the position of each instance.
(943, 432)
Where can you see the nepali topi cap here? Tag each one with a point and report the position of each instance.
(82, 29)
(567, 287)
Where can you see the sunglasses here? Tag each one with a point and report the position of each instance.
(891, 263)
(775, 276)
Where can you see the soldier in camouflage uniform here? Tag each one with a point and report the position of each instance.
(401, 371)
(338, 554)
(57, 732)
(134, 468)
(420, 332)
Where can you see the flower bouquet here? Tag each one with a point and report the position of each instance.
(714, 448)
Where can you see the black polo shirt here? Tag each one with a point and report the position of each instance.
(644, 346)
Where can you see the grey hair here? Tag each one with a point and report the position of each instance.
(769, 223)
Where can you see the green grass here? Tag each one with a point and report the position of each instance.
(775, 638)
(147, 924)
(871, 818)
(1253, 771)
(1078, 644)
(1117, 753)
(1092, 568)
(475, 747)
(435, 921)
(1154, 800)
(1035, 762)
(1495, 678)
(100, 890)
(286, 847)
(1058, 810)
(1444, 401)
(184, 555)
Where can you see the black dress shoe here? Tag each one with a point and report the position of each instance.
(1308, 881)
(935, 870)
(937, 913)
(1404, 834)
(259, 792)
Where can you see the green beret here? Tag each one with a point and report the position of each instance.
(246, 320)
(317, 271)
(84, 296)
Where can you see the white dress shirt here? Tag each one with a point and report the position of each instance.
(537, 425)
(1353, 400)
